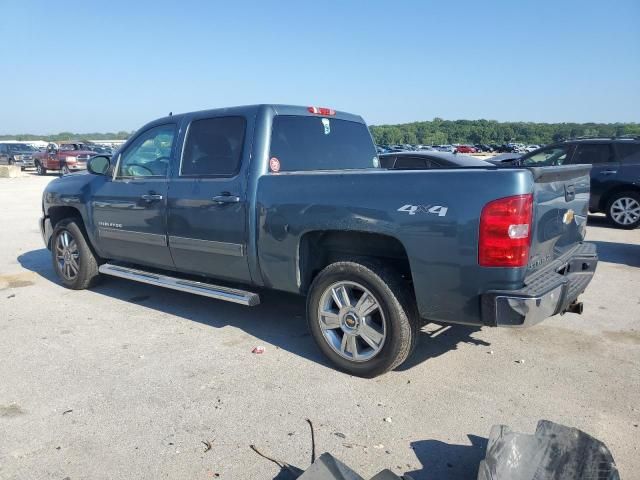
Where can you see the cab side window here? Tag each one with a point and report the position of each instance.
(149, 154)
(592, 154)
(3, 148)
(629, 153)
(214, 147)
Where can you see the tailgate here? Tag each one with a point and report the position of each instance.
(561, 202)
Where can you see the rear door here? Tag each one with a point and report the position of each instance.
(605, 171)
(207, 217)
(129, 211)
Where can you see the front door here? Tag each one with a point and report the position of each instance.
(207, 218)
(130, 211)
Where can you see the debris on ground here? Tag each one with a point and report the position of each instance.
(258, 350)
(388, 420)
(553, 452)
(520, 361)
(490, 352)
(339, 434)
(207, 445)
(12, 295)
(67, 411)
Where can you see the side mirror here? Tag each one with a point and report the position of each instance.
(99, 165)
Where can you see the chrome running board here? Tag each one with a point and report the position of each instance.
(198, 288)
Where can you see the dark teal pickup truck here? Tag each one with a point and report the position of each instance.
(224, 203)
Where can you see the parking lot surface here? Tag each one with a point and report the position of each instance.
(132, 381)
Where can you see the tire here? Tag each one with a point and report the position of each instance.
(10, 161)
(40, 169)
(623, 210)
(70, 232)
(65, 170)
(394, 321)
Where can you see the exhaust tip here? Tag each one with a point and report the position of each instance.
(576, 307)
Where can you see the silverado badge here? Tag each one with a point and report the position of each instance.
(567, 218)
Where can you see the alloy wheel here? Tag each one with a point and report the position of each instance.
(67, 255)
(352, 321)
(625, 210)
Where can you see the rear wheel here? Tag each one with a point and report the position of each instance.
(40, 169)
(65, 170)
(362, 317)
(73, 259)
(623, 210)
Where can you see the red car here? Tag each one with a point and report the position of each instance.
(67, 156)
(465, 149)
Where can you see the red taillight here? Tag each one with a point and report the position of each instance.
(505, 232)
(321, 110)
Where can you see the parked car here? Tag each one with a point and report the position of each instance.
(292, 198)
(19, 154)
(66, 157)
(615, 173)
(430, 160)
(465, 149)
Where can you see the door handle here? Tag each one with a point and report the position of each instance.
(221, 199)
(151, 197)
(608, 172)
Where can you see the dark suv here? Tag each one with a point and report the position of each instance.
(615, 173)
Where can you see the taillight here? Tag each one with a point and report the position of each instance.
(505, 232)
(321, 110)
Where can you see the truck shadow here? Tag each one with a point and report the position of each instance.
(279, 320)
(620, 253)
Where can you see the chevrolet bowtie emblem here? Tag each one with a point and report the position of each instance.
(567, 218)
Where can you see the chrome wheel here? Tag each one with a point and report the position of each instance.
(352, 321)
(625, 211)
(67, 255)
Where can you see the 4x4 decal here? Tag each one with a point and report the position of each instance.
(434, 209)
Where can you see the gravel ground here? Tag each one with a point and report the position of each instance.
(128, 381)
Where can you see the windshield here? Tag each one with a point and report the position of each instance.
(546, 157)
(319, 143)
(20, 147)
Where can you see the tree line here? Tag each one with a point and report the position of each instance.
(434, 132)
(64, 136)
(439, 131)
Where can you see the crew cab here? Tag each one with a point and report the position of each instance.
(16, 153)
(66, 157)
(225, 203)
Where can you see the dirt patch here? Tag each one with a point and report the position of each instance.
(630, 337)
(12, 410)
(17, 280)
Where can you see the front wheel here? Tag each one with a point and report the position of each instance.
(40, 169)
(623, 210)
(362, 317)
(73, 260)
(65, 170)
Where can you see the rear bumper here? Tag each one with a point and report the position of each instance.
(547, 294)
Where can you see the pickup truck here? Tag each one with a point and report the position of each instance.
(66, 157)
(226, 202)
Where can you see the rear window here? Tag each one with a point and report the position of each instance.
(592, 153)
(628, 152)
(319, 143)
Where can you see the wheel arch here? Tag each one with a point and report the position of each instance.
(319, 248)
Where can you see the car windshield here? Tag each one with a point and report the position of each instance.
(546, 157)
(20, 147)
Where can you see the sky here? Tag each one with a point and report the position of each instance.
(88, 66)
